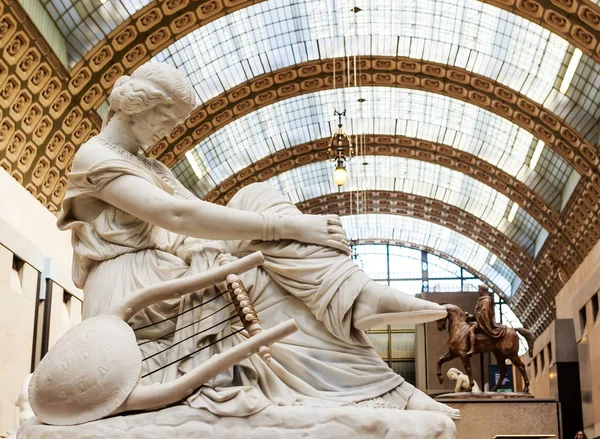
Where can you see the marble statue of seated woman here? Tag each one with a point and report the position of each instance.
(134, 224)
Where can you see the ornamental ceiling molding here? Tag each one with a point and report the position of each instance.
(163, 22)
(579, 222)
(433, 251)
(453, 218)
(382, 71)
(394, 146)
(41, 124)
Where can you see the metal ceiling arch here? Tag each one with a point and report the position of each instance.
(134, 36)
(393, 146)
(316, 76)
(467, 34)
(580, 225)
(384, 173)
(316, 183)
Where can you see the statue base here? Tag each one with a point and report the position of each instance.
(272, 423)
(483, 395)
(490, 414)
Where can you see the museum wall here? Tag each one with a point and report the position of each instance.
(37, 297)
(538, 367)
(540, 380)
(578, 300)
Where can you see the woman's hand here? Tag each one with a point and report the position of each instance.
(323, 230)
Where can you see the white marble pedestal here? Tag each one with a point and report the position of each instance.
(272, 423)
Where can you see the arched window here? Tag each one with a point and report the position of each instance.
(414, 271)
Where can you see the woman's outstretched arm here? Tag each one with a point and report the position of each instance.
(206, 220)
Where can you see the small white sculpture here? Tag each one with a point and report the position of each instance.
(23, 402)
(25, 411)
(462, 381)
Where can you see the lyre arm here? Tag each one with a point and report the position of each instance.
(178, 287)
(159, 395)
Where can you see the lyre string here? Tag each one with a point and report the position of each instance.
(181, 313)
(186, 326)
(191, 336)
(193, 353)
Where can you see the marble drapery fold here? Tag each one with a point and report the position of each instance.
(326, 363)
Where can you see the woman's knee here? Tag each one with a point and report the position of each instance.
(262, 197)
(250, 194)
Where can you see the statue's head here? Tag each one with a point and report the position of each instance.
(453, 373)
(154, 99)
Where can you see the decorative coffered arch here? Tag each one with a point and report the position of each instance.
(395, 146)
(315, 76)
(448, 215)
(162, 22)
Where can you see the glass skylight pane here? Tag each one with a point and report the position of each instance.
(465, 33)
(440, 267)
(414, 177)
(422, 233)
(581, 105)
(386, 111)
(92, 18)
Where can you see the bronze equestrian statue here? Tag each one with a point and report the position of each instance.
(479, 334)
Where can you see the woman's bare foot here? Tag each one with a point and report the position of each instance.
(379, 305)
(420, 401)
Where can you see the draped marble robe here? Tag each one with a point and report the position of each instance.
(327, 362)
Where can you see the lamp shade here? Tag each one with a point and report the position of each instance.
(340, 175)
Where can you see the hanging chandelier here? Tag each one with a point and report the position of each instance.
(340, 151)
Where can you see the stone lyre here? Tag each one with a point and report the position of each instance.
(93, 371)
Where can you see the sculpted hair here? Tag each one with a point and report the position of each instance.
(150, 85)
(132, 96)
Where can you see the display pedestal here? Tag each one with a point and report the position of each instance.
(272, 423)
(491, 414)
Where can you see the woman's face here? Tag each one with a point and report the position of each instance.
(153, 124)
(580, 435)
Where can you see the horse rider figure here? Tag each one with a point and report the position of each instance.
(483, 321)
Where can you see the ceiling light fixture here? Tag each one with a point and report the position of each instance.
(340, 150)
(536, 154)
(566, 82)
(513, 212)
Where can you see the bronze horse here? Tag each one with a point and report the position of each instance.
(504, 348)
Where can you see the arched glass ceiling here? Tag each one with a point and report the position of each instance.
(464, 33)
(420, 232)
(84, 23)
(411, 113)
(418, 178)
